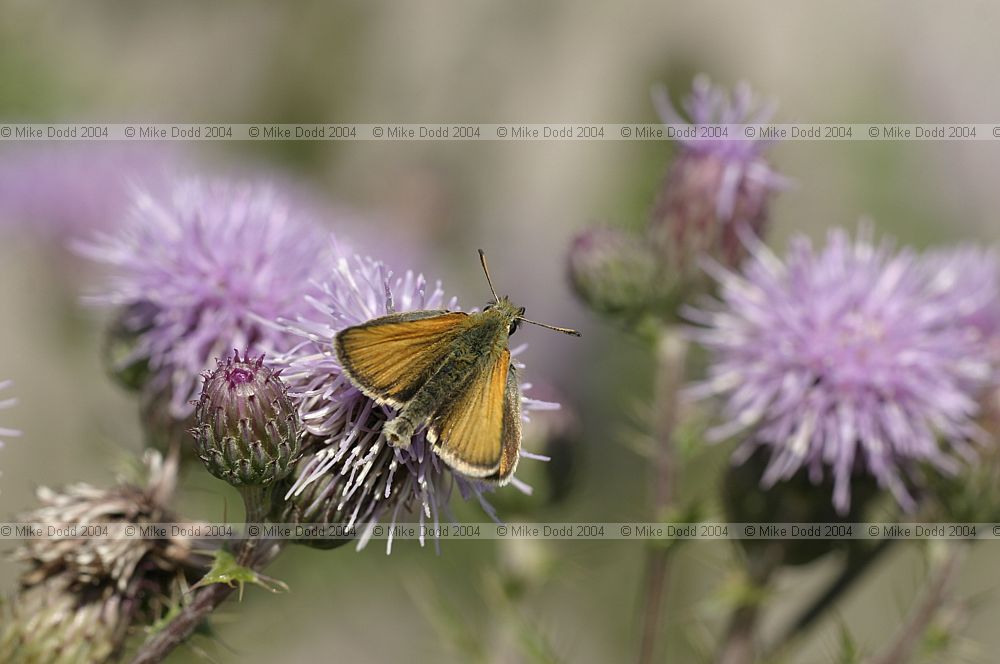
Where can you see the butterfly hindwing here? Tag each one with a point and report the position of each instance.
(510, 440)
(391, 357)
(471, 430)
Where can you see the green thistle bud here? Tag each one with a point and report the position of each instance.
(247, 431)
(613, 271)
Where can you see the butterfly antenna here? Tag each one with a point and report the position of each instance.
(482, 259)
(564, 330)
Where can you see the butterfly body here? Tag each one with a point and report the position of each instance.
(448, 371)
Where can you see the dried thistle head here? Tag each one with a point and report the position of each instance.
(80, 595)
(58, 622)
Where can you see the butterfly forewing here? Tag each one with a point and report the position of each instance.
(470, 429)
(390, 358)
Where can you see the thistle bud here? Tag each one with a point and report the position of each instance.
(613, 271)
(247, 431)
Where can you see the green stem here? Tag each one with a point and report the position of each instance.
(854, 569)
(739, 643)
(671, 353)
(257, 501)
(941, 581)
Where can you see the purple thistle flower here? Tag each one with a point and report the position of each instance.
(210, 266)
(714, 186)
(58, 191)
(349, 474)
(710, 105)
(969, 276)
(852, 358)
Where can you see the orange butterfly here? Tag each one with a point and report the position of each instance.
(449, 371)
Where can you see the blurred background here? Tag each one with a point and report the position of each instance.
(428, 206)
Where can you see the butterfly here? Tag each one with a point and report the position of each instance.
(448, 371)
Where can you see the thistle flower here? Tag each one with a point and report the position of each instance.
(62, 190)
(715, 189)
(92, 560)
(348, 473)
(715, 186)
(969, 277)
(211, 265)
(852, 358)
(80, 595)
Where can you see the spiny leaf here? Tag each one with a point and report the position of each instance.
(226, 570)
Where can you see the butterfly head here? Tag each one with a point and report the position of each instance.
(509, 312)
(506, 310)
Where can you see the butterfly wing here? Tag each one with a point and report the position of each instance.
(478, 433)
(510, 440)
(391, 357)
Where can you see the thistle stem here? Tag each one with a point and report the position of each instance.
(941, 580)
(205, 601)
(671, 353)
(257, 503)
(738, 643)
(854, 569)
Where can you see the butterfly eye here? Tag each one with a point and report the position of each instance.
(513, 328)
(488, 307)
